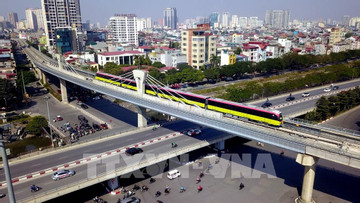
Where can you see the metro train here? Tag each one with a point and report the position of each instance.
(230, 109)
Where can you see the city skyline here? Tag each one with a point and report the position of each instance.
(306, 9)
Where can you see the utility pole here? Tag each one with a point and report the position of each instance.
(48, 112)
(7, 169)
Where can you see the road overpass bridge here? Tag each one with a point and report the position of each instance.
(309, 147)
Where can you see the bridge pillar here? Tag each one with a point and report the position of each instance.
(43, 77)
(220, 145)
(140, 78)
(63, 90)
(142, 122)
(309, 176)
(60, 62)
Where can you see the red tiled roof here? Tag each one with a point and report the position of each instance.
(114, 53)
(249, 47)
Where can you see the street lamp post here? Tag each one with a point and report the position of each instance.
(48, 112)
(7, 170)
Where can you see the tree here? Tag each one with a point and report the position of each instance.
(347, 35)
(212, 74)
(183, 66)
(238, 51)
(214, 60)
(29, 77)
(158, 65)
(112, 68)
(36, 124)
(322, 108)
(154, 72)
(7, 93)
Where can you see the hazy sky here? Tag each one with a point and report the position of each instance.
(101, 10)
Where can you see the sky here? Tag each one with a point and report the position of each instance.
(102, 10)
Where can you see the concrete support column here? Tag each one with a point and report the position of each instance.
(309, 176)
(142, 121)
(63, 89)
(37, 73)
(140, 78)
(43, 77)
(60, 62)
(220, 145)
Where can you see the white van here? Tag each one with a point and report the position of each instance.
(173, 174)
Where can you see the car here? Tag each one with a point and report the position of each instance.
(193, 132)
(306, 94)
(82, 119)
(79, 103)
(103, 126)
(130, 200)
(59, 118)
(290, 98)
(133, 151)
(266, 105)
(96, 98)
(173, 174)
(84, 106)
(335, 87)
(96, 127)
(62, 174)
(327, 90)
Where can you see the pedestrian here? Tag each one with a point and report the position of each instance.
(241, 186)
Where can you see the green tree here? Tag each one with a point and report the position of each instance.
(29, 77)
(36, 124)
(158, 65)
(322, 108)
(215, 60)
(112, 68)
(212, 74)
(238, 51)
(7, 93)
(154, 72)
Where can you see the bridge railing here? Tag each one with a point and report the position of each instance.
(326, 127)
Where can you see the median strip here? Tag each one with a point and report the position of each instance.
(84, 160)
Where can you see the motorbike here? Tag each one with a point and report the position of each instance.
(35, 189)
(144, 188)
(135, 188)
(173, 145)
(167, 190)
(123, 190)
(201, 175)
(241, 186)
(157, 194)
(182, 190)
(152, 180)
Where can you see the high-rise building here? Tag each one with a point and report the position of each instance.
(141, 24)
(346, 20)
(31, 19)
(277, 18)
(61, 13)
(234, 21)
(198, 45)
(243, 21)
(170, 18)
(335, 36)
(225, 19)
(253, 22)
(214, 18)
(123, 29)
(148, 23)
(65, 40)
(13, 18)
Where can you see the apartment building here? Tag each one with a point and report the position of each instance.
(198, 45)
(61, 13)
(123, 29)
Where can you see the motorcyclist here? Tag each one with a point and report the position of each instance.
(182, 189)
(201, 174)
(157, 194)
(144, 188)
(198, 179)
(167, 189)
(173, 144)
(241, 186)
(33, 188)
(199, 188)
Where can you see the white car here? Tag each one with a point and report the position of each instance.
(306, 94)
(327, 90)
(173, 174)
(193, 132)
